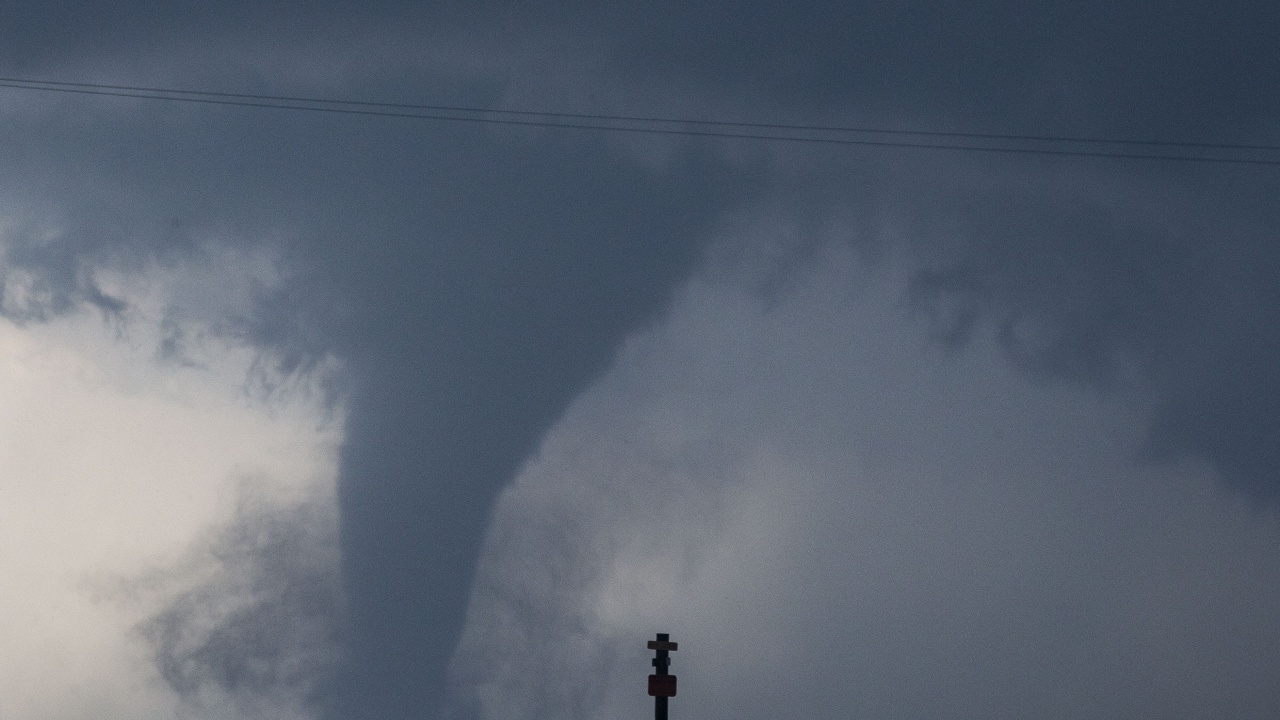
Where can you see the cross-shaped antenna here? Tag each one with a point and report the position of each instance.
(661, 684)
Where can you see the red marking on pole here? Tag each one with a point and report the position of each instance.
(662, 685)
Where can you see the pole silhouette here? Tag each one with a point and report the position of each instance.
(662, 685)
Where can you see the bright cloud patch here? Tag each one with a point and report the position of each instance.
(114, 458)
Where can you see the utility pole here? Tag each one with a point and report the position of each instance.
(661, 684)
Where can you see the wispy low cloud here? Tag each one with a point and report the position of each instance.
(250, 622)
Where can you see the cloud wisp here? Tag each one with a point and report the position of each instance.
(249, 623)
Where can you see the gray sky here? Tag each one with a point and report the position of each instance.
(949, 422)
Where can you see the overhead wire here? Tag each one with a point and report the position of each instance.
(36, 84)
(654, 125)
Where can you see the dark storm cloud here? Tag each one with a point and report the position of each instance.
(1097, 288)
(470, 285)
(473, 282)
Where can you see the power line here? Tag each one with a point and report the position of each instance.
(37, 84)
(661, 125)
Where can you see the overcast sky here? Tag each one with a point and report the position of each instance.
(334, 416)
